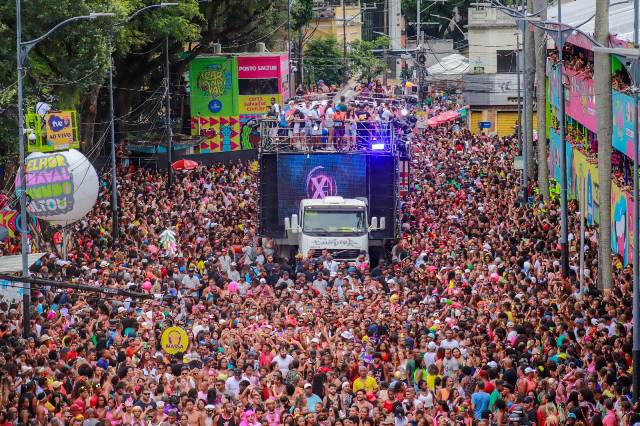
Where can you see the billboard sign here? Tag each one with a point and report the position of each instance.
(302, 176)
(213, 83)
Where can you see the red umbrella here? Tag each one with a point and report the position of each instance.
(184, 165)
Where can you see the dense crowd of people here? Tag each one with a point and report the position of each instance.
(468, 322)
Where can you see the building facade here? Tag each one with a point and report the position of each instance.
(491, 86)
(336, 20)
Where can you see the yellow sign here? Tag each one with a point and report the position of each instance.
(174, 340)
(256, 104)
(60, 129)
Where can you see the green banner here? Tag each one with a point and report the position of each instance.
(214, 86)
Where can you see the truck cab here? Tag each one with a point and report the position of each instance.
(336, 224)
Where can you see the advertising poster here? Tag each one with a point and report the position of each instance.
(258, 83)
(214, 87)
(256, 104)
(581, 104)
(213, 83)
(622, 137)
(59, 127)
(55, 131)
(579, 170)
(301, 176)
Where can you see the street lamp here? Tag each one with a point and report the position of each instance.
(22, 51)
(115, 228)
(634, 55)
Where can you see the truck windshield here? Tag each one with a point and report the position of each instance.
(332, 221)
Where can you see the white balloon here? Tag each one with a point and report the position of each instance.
(62, 186)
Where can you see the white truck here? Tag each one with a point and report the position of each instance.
(336, 224)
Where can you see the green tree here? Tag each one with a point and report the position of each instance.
(323, 60)
(69, 70)
(452, 16)
(363, 64)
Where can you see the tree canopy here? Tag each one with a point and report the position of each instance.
(323, 60)
(70, 68)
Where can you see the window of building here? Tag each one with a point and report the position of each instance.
(258, 86)
(507, 61)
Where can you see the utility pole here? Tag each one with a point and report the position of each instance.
(115, 228)
(26, 295)
(526, 108)
(289, 46)
(636, 213)
(168, 117)
(344, 43)
(541, 99)
(418, 26)
(564, 240)
(519, 88)
(529, 81)
(602, 68)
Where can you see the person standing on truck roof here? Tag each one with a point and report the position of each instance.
(329, 114)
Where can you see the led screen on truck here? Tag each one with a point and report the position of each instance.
(285, 179)
(317, 176)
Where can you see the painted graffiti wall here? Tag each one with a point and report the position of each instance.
(583, 176)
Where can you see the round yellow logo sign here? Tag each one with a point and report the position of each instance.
(174, 340)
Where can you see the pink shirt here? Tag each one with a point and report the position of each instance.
(610, 419)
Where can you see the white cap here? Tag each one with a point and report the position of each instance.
(529, 370)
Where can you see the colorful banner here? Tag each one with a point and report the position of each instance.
(622, 137)
(554, 84)
(581, 104)
(259, 67)
(11, 223)
(214, 81)
(622, 223)
(59, 129)
(221, 133)
(580, 170)
(256, 104)
(555, 156)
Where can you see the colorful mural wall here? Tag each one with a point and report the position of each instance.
(583, 176)
(229, 92)
(622, 123)
(580, 105)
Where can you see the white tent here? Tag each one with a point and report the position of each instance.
(450, 67)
